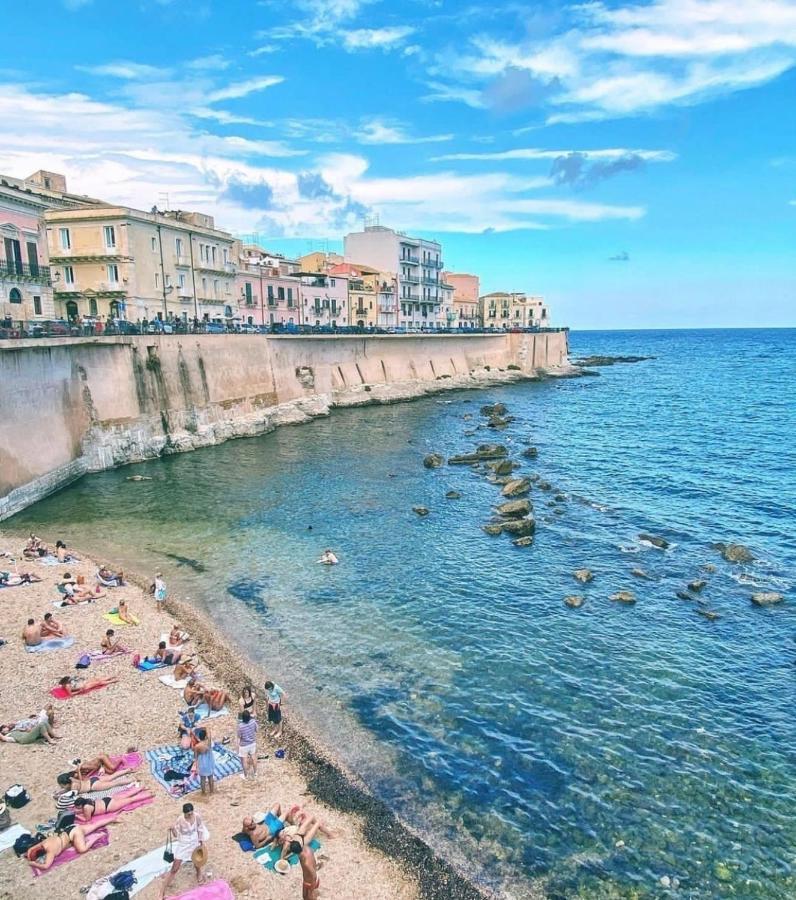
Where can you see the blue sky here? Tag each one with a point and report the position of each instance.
(635, 162)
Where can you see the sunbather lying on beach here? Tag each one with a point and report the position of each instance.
(63, 554)
(111, 579)
(51, 627)
(74, 781)
(86, 809)
(110, 644)
(75, 686)
(11, 579)
(26, 733)
(264, 833)
(74, 593)
(99, 764)
(43, 854)
(177, 637)
(216, 698)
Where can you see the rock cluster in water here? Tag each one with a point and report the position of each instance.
(609, 360)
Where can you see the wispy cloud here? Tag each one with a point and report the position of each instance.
(213, 62)
(125, 70)
(378, 131)
(622, 256)
(623, 59)
(536, 153)
(376, 38)
(451, 93)
(240, 89)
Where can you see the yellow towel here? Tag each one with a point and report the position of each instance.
(114, 617)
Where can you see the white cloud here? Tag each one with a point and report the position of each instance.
(125, 70)
(214, 62)
(376, 38)
(244, 88)
(378, 131)
(535, 153)
(439, 92)
(619, 60)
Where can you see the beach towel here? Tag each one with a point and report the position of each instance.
(113, 617)
(70, 853)
(165, 635)
(97, 656)
(62, 604)
(169, 680)
(110, 792)
(203, 711)
(8, 836)
(60, 693)
(213, 890)
(107, 818)
(171, 758)
(47, 561)
(147, 665)
(267, 856)
(131, 760)
(52, 644)
(146, 869)
(108, 584)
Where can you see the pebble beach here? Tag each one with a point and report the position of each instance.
(371, 854)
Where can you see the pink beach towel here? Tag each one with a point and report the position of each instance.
(60, 693)
(97, 656)
(214, 890)
(70, 853)
(106, 818)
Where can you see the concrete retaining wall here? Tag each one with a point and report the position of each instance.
(74, 405)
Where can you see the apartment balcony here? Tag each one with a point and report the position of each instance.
(387, 308)
(410, 279)
(361, 312)
(19, 271)
(230, 268)
(431, 282)
(411, 260)
(182, 260)
(433, 264)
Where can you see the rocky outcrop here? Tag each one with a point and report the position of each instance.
(482, 453)
(517, 487)
(493, 528)
(494, 409)
(697, 586)
(422, 511)
(520, 527)
(659, 542)
(433, 460)
(584, 576)
(767, 598)
(574, 601)
(530, 453)
(735, 553)
(514, 509)
(640, 573)
(453, 495)
(609, 360)
(626, 597)
(708, 614)
(523, 541)
(503, 467)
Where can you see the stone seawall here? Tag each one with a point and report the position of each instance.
(74, 405)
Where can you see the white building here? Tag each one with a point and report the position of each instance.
(417, 263)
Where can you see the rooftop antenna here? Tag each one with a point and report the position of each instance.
(163, 200)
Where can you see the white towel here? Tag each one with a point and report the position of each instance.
(169, 681)
(146, 869)
(8, 836)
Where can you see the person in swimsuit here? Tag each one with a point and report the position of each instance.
(165, 656)
(177, 637)
(185, 668)
(43, 854)
(50, 627)
(124, 614)
(216, 698)
(205, 759)
(193, 692)
(74, 781)
(266, 832)
(31, 634)
(328, 558)
(101, 762)
(26, 733)
(112, 579)
(247, 701)
(74, 687)
(110, 644)
(63, 554)
(86, 809)
(309, 867)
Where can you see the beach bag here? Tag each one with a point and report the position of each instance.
(168, 853)
(5, 816)
(24, 842)
(81, 579)
(17, 796)
(123, 881)
(84, 662)
(66, 800)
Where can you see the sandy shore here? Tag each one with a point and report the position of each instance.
(372, 854)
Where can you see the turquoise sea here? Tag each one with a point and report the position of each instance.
(607, 751)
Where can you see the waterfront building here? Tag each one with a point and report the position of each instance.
(26, 293)
(324, 299)
(267, 289)
(319, 261)
(502, 309)
(466, 290)
(447, 309)
(113, 262)
(417, 263)
(371, 295)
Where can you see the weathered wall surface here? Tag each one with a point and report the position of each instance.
(70, 406)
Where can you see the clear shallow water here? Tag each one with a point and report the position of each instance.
(527, 738)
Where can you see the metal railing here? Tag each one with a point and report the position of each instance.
(17, 269)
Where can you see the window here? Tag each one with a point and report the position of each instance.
(13, 255)
(280, 293)
(213, 250)
(181, 281)
(92, 306)
(69, 275)
(248, 293)
(37, 306)
(178, 246)
(167, 280)
(109, 233)
(66, 240)
(226, 255)
(154, 243)
(14, 296)
(157, 279)
(332, 282)
(113, 274)
(270, 295)
(215, 289)
(33, 257)
(204, 287)
(290, 296)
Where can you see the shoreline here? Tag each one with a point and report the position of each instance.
(419, 872)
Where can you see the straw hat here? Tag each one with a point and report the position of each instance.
(199, 857)
(282, 866)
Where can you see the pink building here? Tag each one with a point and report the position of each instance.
(268, 292)
(324, 299)
(466, 289)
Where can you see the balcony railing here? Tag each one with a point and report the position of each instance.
(411, 279)
(10, 268)
(414, 260)
(431, 281)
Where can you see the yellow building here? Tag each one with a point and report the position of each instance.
(319, 261)
(512, 310)
(116, 262)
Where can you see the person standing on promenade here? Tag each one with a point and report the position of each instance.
(274, 694)
(247, 744)
(205, 759)
(190, 836)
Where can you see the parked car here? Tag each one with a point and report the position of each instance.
(159, 327)
(215, 328)
(248, 329)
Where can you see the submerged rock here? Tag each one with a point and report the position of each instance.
(523, 541)
(517, 487)
(696, 586)
(609, 360)
(421, 510)
(627, 597)
(499, 421)
(514, 508)
(494, 409)
(767, 598)
(545, 486)
(584, 576)
(574, 601)
(682, 595)
(659, 542)
(722, 872)
(708, 567)
(503, 467)
(530, 452)
(453, 495)
(433, 460)
(493, 528)
(640, 573)
(483, 452)
(708, 614)
(139, 478)
(520, 527)
(560, 498)
(735, 553)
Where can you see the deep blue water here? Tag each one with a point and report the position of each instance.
(591, 751)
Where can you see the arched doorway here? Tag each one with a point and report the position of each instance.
(114, 309)
(71, 310)
(14, 296)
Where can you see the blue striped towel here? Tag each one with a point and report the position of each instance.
(169, 757)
